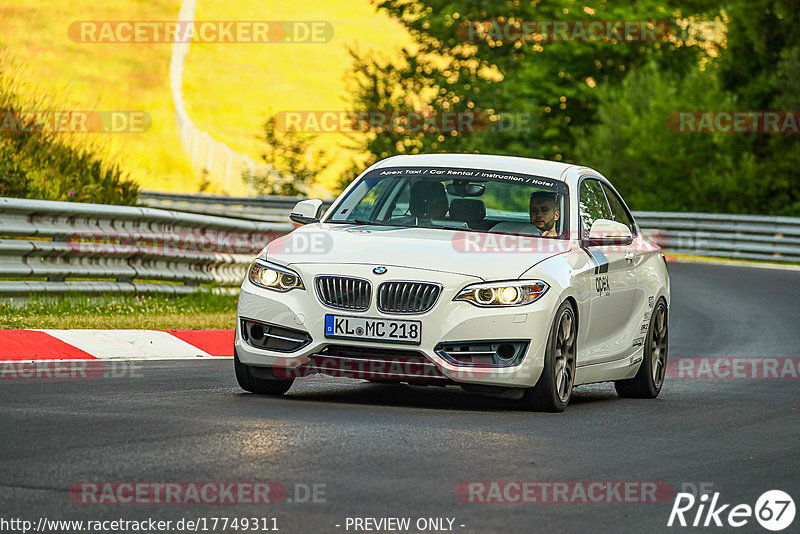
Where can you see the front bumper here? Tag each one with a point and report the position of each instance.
(447, 322)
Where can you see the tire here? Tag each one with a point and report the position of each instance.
(253, 384)
(554, 388)
(649, 379)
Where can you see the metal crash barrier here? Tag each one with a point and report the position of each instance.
(64, 247)
(745, 237)
(256, 208)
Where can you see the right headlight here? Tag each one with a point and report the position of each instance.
(275, 277)
(500, 294)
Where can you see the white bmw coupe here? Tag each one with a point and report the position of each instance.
(507, 276)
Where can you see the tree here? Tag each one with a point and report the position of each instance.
(761, 67)
(656, 167)
(553, 84)
(292, 162)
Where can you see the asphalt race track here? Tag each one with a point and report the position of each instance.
(401, 451)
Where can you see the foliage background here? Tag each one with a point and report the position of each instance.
(54, 166)
(605, 104)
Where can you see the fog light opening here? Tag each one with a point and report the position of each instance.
(256, 331)
(488, 353)
(506, 352)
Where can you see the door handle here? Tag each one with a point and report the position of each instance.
(629, 256)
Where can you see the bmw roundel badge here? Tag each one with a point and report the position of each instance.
(379, 270)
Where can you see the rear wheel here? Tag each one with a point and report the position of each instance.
(650, 378)
(554, 388)
(264, 383)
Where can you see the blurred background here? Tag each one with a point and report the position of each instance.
(217, 110)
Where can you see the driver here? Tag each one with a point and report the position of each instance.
(545, 212)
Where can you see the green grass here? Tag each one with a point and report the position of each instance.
(50, 165)
(197, 311)
(230, 89)
(256, 80)
(104, 77)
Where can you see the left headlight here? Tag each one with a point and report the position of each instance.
(274, 277)
(497, 294)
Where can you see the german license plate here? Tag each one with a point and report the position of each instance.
(373, 329)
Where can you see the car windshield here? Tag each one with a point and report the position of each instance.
(457, 199)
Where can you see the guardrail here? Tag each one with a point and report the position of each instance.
(255, 208)
(746, 237)
(61, 247)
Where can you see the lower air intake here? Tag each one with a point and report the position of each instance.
(483, 353)
(272, 337)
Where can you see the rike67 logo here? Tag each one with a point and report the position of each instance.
(774, 510)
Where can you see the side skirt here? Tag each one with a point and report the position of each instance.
(608, 371)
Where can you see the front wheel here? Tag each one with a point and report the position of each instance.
(554, 388)
(650, 378)
(264, 384)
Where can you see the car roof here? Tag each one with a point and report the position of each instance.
(535, 167)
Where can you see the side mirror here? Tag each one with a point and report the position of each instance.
(607, 232)
(306, 211)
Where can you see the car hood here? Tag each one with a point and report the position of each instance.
(480, 254)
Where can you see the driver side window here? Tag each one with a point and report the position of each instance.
(593, 204)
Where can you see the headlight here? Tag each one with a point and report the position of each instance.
(274, 277)
(503, 293)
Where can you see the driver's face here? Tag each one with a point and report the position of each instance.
(544, 214)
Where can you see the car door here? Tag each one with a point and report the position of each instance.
(612, 283)
(635, 255)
